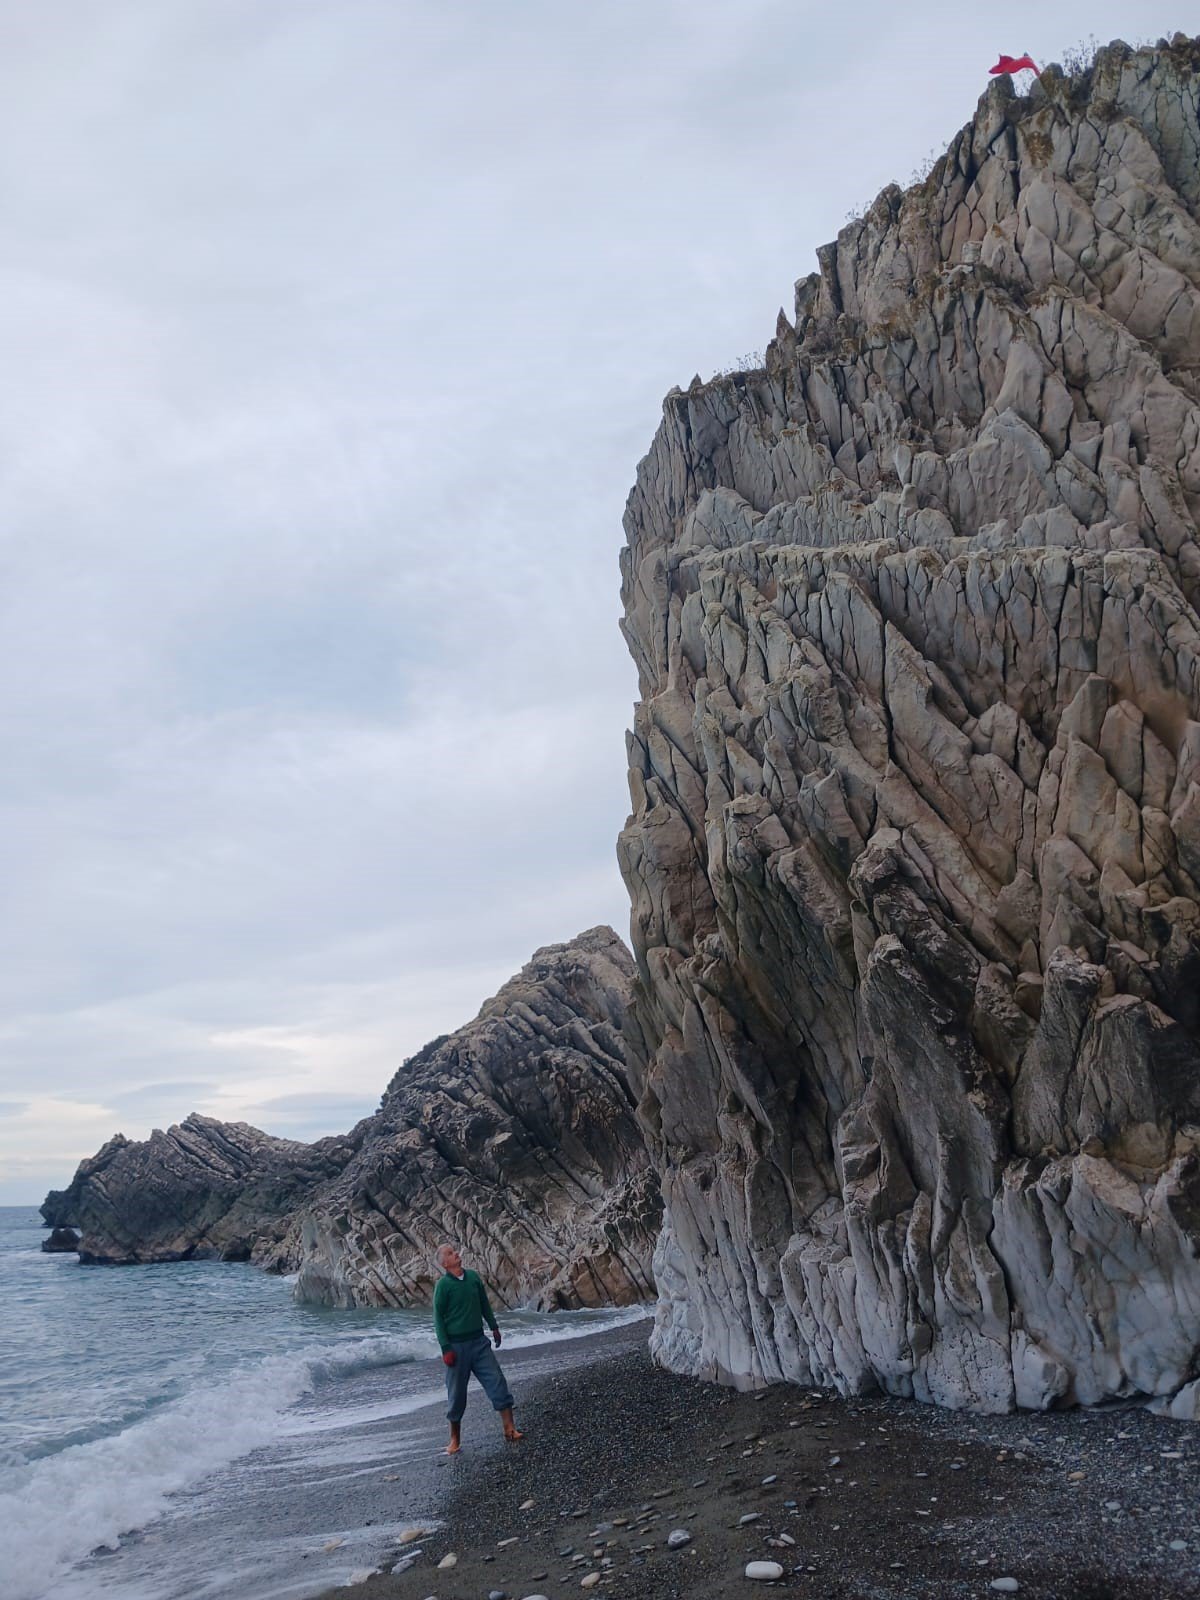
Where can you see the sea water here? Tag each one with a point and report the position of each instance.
(189, 1430)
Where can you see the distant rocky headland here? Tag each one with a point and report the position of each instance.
(914, 857)
(515, 1136)
(915, 854)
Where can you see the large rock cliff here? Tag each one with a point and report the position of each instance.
(915, 850)
(514, 1136)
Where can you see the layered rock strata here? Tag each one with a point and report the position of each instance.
(201, 1190)
(515, 1136)
(915, 850)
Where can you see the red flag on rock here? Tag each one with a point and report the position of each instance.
(1013, 64)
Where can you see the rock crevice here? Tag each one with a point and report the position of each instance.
(915, 774)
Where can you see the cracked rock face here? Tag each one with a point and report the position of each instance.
(202, 1190)
(916, 783)
(515, 1137)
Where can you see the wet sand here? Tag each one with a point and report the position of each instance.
(858, 1500)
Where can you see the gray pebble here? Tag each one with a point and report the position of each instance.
(1004, 1585)
(1178, 1544)
(677, 1538)
(751, 1516)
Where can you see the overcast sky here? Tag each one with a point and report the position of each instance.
(331, 333)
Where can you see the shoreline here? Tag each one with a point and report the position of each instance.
(869, 1499)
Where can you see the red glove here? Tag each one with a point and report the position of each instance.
(496, 1338)
(449, 1357)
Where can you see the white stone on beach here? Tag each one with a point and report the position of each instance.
(447, 1562)
(1004, 1585)
(590, 1582)
(410, 1535)
(360, 1575)
(751, 1516)
(764, 1571)
(526, 1505)
(677, 1538)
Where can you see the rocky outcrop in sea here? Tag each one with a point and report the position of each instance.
(203, 1189)
(915, 850)
(515, 1137)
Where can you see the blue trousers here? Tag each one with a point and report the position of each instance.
(475, 1356)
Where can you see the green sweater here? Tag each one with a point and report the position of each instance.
(460, 1308)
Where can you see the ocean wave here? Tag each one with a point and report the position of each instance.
(115, 1485)
(120, 1483)
(576, 1324)
(373, 1350)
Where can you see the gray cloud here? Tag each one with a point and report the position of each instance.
(146, 1093)
(332, 333)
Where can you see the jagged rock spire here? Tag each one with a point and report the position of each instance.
(915, 849)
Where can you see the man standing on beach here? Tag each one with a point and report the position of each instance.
(460, 1309)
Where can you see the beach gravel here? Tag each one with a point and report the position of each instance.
(884, 1499)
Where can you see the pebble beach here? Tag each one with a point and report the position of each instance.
(637, 1483)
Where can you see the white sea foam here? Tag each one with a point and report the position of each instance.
(577, 1325)
(87, 1496)
(115, 1485)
